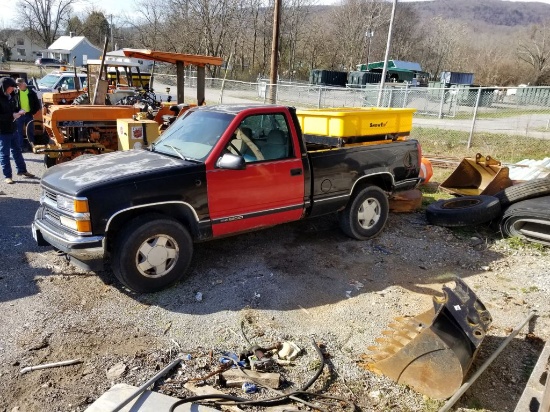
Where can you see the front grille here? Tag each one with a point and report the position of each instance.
(50, 195)
(52, 215)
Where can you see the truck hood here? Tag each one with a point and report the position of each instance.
(87, 171)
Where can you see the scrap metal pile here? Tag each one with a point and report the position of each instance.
(487, 193)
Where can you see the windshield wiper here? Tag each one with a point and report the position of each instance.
(175, 149)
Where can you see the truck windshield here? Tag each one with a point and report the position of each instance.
(194, 134)
(48, 81)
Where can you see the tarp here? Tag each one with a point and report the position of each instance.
(397, 64)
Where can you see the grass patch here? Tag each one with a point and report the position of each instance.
(530, 289)
(453, 143)
(519, 243)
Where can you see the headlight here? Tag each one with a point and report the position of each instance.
(72, 205)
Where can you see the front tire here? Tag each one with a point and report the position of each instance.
(366, 215)
(152, 253)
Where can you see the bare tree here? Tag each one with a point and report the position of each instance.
(534, 49)
(44, 20)
(351, 20)
(442, 48)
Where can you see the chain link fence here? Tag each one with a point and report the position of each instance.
(509, 124)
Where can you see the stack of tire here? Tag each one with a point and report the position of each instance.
(522, 210)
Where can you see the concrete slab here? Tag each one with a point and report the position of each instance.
(532, 398)
(148, 401)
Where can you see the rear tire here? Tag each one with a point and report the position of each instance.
(151, 253)
(366, 214)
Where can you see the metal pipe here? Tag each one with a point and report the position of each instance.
(466, 385)
(388, 46)
(143, 387)
(474, 119)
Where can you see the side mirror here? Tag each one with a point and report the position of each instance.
(231, 161)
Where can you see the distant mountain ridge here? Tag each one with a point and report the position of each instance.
(490, 12)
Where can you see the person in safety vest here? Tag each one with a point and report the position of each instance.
(28, 101)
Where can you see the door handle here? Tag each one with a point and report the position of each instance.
(295, 172)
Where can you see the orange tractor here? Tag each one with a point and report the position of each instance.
(76, 126)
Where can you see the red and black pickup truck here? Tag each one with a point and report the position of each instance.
(217, 171)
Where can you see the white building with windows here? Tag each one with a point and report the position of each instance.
(22, 48)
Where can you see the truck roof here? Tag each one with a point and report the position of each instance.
(237, 108)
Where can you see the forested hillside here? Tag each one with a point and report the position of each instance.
(502, 43)
(485, 12)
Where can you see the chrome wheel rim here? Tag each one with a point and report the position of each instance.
(369, 213)
(157, 256)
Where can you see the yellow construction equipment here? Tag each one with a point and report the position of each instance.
(480, 176)
(433, 351)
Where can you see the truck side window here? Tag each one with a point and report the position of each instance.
(266, 137)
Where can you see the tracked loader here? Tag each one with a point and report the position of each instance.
(432, 352)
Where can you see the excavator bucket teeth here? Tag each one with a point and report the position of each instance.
(433, 351)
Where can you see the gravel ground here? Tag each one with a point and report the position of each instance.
(302, 282)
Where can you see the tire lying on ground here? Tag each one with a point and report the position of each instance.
(528, 190)
(463, 211)
(529, 219)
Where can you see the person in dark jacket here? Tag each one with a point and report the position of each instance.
(27, 100)
(9, 140)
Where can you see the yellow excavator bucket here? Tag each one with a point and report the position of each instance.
(480, 176)
(433, 351)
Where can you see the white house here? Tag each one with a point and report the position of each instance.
(68, 47)
(22, 48)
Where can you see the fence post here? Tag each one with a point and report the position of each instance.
(440, 115)
(474, 119)
(406, 97)
(319, 98)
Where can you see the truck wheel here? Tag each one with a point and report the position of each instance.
(366, 214)
(152, 253)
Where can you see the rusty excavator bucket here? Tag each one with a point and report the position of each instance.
(433, 351)
(479, 176)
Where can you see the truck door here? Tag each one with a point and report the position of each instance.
(269, 190)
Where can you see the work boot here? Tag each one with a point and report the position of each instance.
(26, 174)
(9, 181)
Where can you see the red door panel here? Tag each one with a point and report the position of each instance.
(263, 194)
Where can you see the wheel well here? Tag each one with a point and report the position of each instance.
(384, 181)
(182, 214)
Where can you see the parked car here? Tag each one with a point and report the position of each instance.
(46, 61)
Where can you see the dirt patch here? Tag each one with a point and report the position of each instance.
(304, 282)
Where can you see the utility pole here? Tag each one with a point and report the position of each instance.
(368, 34)
(388, 46)
(275, 52)
(111, 27)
